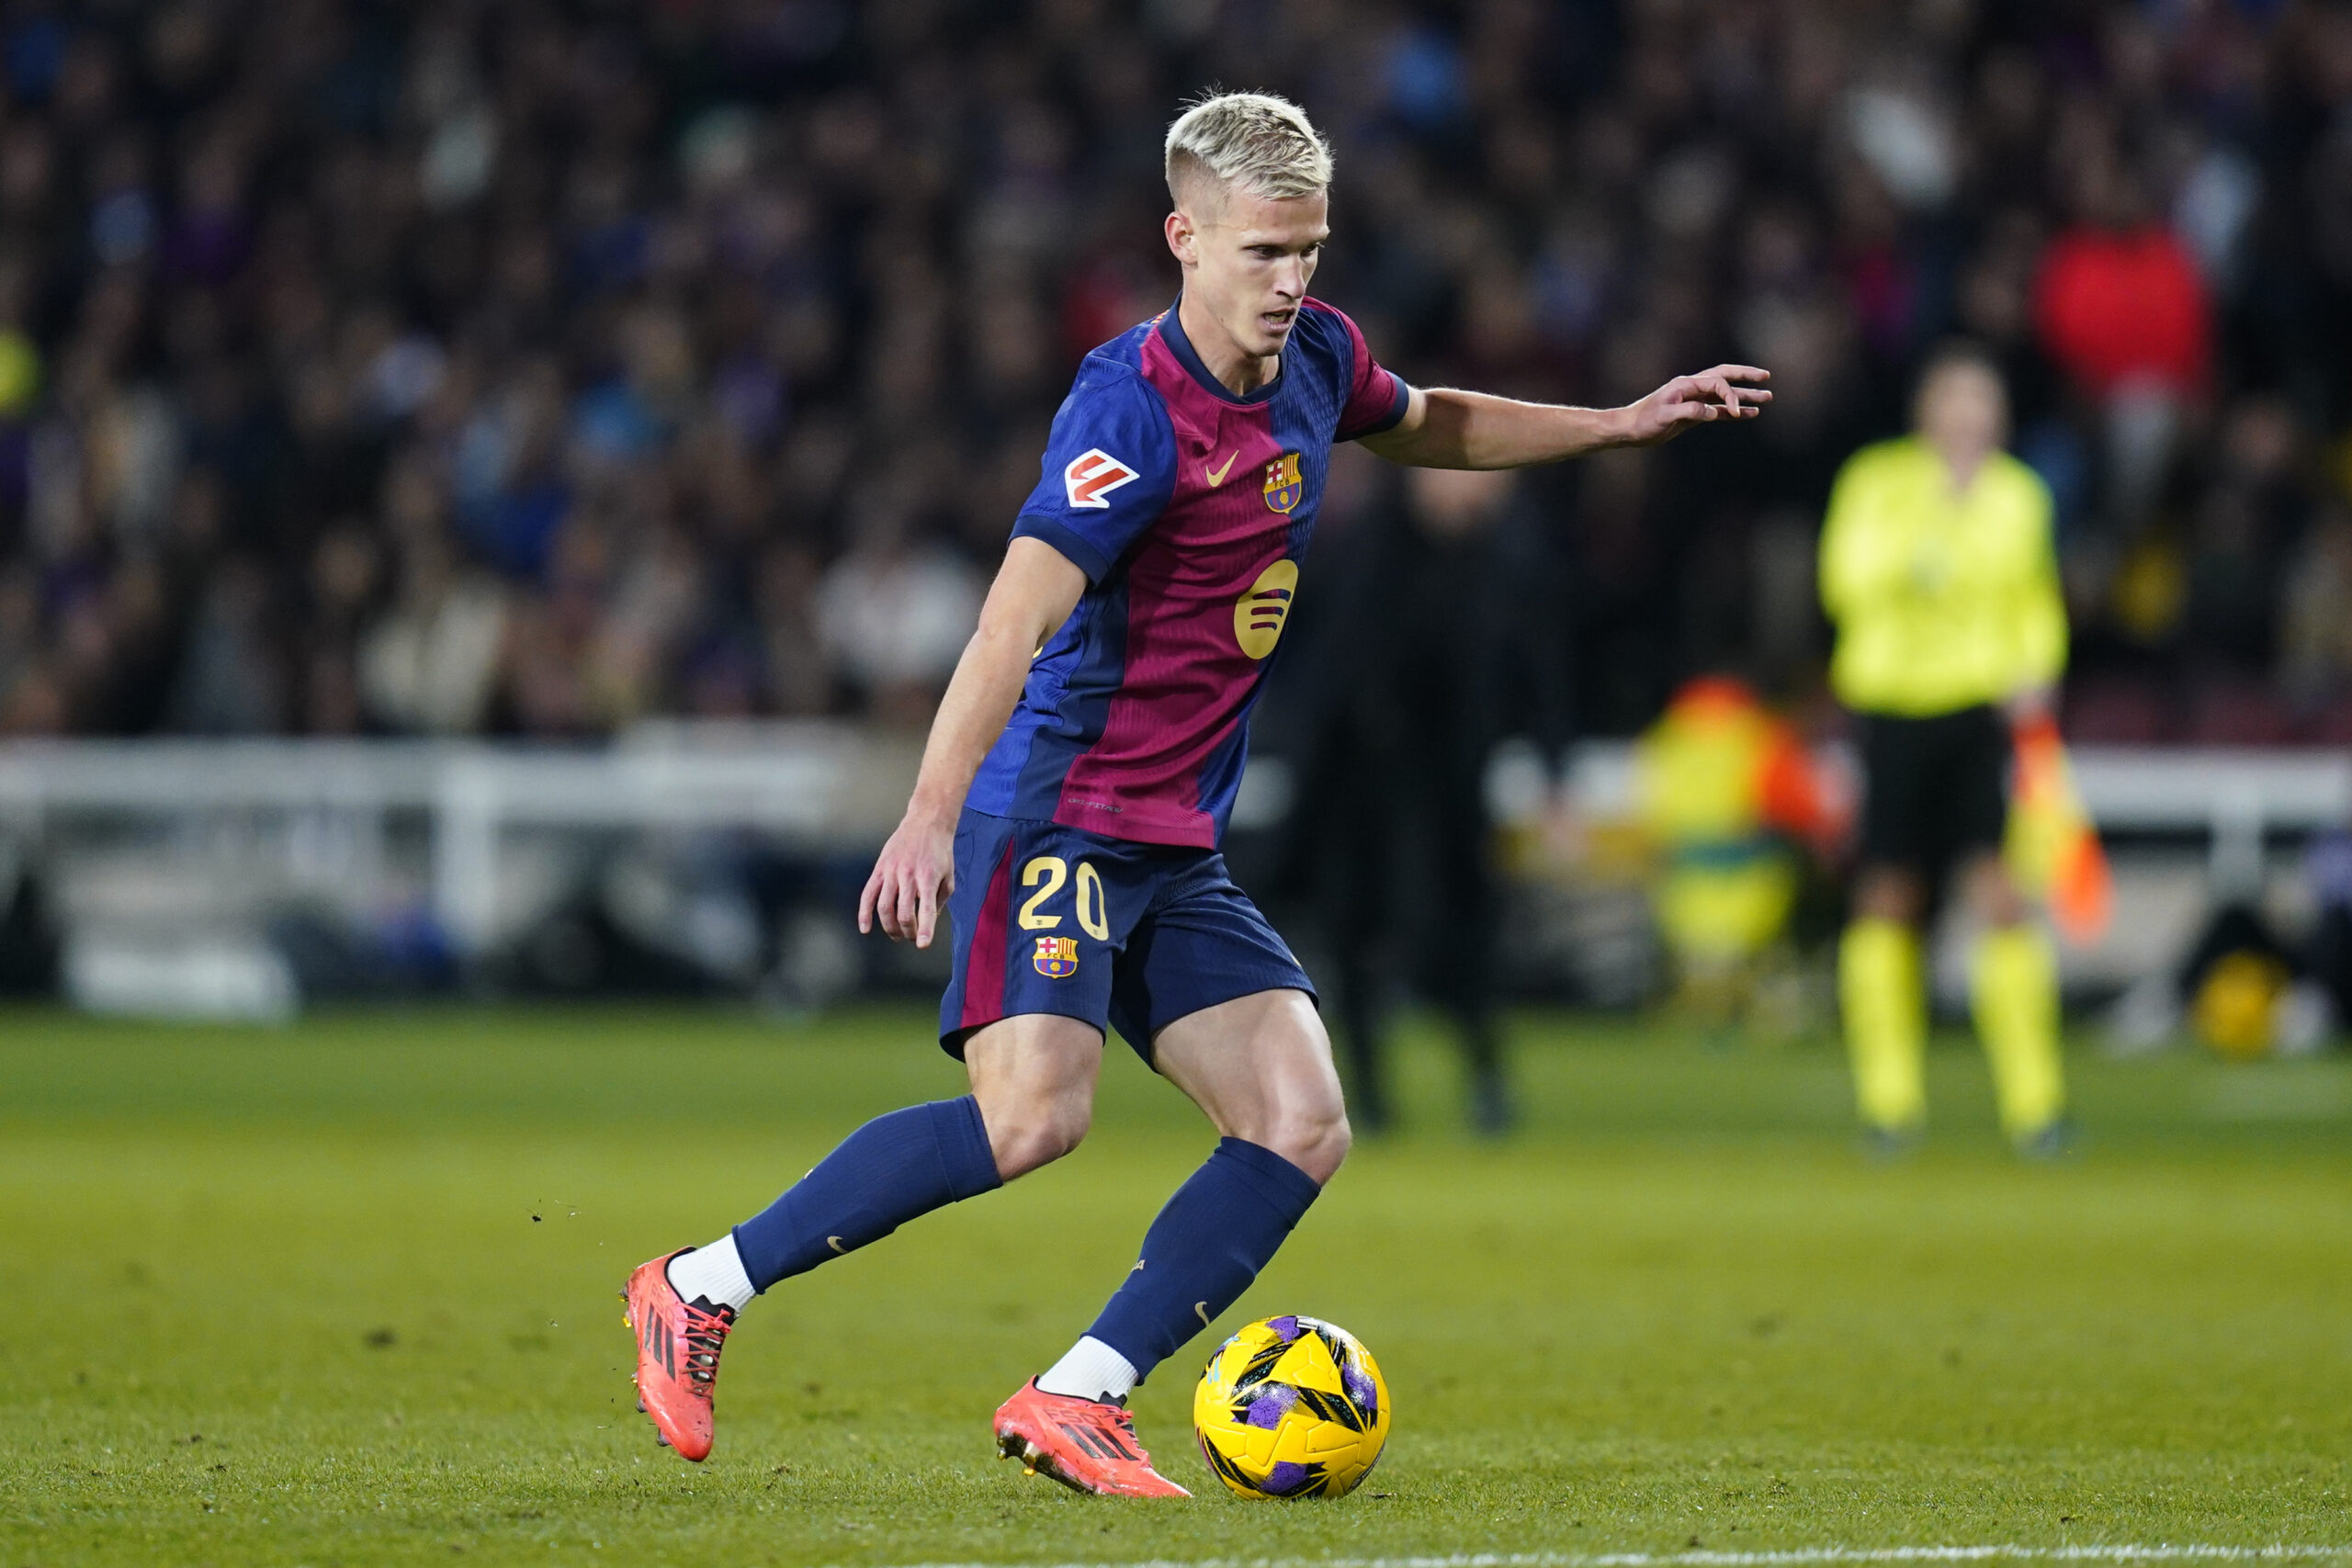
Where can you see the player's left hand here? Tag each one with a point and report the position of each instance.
(1724, 392)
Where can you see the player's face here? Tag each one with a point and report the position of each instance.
(1248, 261)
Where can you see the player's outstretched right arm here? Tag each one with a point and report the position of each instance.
(1033, 594)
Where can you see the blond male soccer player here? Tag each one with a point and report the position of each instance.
(1938, 570)
(1078, 777)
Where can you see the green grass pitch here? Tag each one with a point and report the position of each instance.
(344, 1293)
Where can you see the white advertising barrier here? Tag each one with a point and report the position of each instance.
(842, 787)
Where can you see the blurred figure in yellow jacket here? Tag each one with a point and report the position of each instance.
(1938, 572)
(1726, 792)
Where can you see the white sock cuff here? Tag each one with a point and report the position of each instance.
(1091, 1371)
(715, 1273)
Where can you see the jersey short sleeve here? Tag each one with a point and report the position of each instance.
(1110, 467)
(1376, 398)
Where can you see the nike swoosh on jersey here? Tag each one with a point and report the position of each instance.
(1216, 475)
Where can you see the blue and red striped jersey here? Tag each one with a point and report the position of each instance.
(1189, 508)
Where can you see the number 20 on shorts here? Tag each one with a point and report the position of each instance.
(1048, 874)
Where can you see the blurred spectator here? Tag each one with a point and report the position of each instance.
(447, 367)
(2121, 306)
(2125, 314)
(894, 616)
(2316, 626)
(1437, 630)
(429, 664)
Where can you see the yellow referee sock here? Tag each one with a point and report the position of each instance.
(2014, 984)
(1886, 1023)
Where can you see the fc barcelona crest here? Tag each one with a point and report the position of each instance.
(1284, 487)
(1056, 957)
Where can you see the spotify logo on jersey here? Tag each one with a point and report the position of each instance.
(1258, 619)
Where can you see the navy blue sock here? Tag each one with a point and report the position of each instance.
(1222, 1227)
(891, 1170)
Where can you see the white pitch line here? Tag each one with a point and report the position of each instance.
(1797, 1558)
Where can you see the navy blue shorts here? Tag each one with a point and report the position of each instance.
(1124, 936)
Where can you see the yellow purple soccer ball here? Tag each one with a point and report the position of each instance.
(1292, 1408)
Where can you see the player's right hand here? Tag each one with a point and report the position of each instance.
(1728, 391)
(912, 881)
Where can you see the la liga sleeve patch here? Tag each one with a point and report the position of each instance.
(1109, 466)
(1093, 475)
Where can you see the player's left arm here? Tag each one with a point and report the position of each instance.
(1447, 428)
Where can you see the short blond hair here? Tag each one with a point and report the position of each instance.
(1254, 141)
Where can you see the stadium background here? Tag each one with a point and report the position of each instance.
(556, 373)
(535, 370)
(490, 494)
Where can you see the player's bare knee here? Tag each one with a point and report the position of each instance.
(1034, 1083)
(1330, 1150)
(1029, 1131)
(1314, 1137)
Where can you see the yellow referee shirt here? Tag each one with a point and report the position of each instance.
(1942, 600)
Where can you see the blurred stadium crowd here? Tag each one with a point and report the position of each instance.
(533, 368)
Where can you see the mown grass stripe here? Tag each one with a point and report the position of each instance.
(1793, 1558)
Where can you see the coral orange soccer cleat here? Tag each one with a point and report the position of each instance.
(677, 1357)
(1084, 1444)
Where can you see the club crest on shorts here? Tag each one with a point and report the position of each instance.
(1056, 957)
(1284, 487)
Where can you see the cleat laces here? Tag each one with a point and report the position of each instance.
(704, 1335)
(1122, 1423)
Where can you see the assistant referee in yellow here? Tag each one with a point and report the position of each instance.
(1938, 572)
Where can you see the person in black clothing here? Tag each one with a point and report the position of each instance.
(1436, 635)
